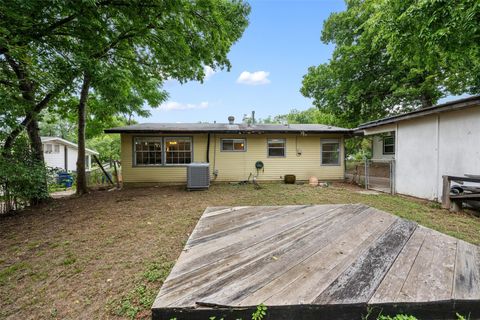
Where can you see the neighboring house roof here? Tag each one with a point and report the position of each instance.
(227, 128)
(66, 142)
(439, 108)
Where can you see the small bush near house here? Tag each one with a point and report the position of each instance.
(23, 178)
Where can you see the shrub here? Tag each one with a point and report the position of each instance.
(23, 179)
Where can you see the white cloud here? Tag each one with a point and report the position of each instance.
(209, 72)
(254, 78)
(173, 105)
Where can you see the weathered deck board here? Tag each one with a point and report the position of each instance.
(318, 262)
(467, 272)
(358, 283)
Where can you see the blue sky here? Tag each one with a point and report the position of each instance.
(281, 42)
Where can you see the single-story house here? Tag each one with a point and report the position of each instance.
(60, 153)
(428, 143)
(159, 152)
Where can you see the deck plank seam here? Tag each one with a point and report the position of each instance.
(268, 253)
(333, 267)
(219, 234)
(311, 254)
(410, 269)
(263, 240)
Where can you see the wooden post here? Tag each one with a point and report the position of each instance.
(446, 203)
(104, 172)
(116, 173)
(366, 174)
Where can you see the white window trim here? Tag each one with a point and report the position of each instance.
(392, 144)
(242, 140)
(284, 147)
(326, 141)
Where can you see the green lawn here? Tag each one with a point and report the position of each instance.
(106, 254)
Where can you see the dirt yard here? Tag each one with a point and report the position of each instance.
(105, 255)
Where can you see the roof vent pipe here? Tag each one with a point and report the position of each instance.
(231, 119)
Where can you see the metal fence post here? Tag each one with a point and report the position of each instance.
(366, 174)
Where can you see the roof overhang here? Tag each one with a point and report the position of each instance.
(440, 108)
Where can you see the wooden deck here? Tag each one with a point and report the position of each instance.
(319, 262)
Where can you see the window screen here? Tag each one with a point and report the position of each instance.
(276, 147)
(331, 152)
(233, 144)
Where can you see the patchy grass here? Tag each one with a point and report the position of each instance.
(105, 255)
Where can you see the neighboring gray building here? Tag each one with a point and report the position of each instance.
(428, 143)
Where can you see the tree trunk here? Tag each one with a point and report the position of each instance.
(82, 115)
(33, 131)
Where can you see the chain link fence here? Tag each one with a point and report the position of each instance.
(373, 174)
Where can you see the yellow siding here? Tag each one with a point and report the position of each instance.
(237, 166)
(161, 174)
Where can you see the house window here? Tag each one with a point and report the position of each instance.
(56, 148)
(48, 148)
(233, 144)
(389, 145)
(148, 151)
(178, 150)
(276, 147)
(331, 152)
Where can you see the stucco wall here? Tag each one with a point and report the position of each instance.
(416, 156)
(377, 149)
(429, 147)
(237, 166)
(459, 144)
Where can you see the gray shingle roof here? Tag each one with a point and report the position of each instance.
(460, 104)
(226, 128)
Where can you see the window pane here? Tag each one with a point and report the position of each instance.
(276, 147)
(233, 144)
(239, 146)
(56, 148)
(389, 145)
(148, 150)
(276, 152)
(388, 149)
(227, 145)
(331, 153)
(179, 150)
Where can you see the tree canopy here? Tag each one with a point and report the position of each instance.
(391, 56)
(57, 55)
(130, 47)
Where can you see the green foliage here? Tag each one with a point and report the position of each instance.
(393, 55)
(311, 115)
(107, 145)
(127, 49)
(260, 313)
(397, 317)
(143, 295)
(22, 177)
